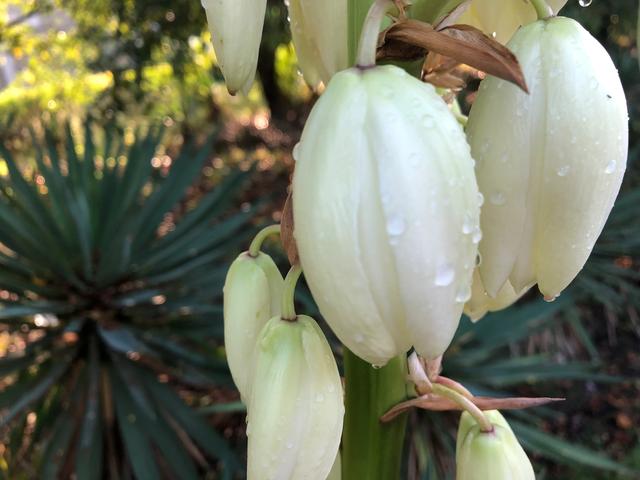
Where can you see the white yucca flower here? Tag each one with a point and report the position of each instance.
(296, 409)
(495, 455)
(236, 32)
(386, 213)
(252, 295)
(549, 163)
(319, 31)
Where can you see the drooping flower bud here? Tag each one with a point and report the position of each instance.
(236, 32)
(480, 303)
(386, 213)
(252, 295)
(319, 32)
(495, 455)
(501, 18)
(550, 163)
(296, 409)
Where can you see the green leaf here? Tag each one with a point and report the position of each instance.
(562, 451)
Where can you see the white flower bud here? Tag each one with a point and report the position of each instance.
(480, 303)
(501, 18)
(236, 32)
(550, 163)
(495, 455)
(319, 32)
(296, 409)
(252, 295)
(386, 213)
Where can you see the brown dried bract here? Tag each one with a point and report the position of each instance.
(463, 44)
(435, 402)
(286, 232)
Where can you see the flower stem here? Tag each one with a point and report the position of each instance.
(368, 44)
(256, 244)
(468, 405)
(288, 293)
(543, 10)
(372, 450)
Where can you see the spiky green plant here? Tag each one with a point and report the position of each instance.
(113, 322)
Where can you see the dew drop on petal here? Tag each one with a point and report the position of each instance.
(395, 226)
(476, 236)
(319, 398)
(480, 199)
(467, 225)
(585, 3)
(463, 294)
(358, 338)
(445, 275)
(376, 367)
(563, 171)
(610, 168)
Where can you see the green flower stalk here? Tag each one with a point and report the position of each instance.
(252, 295)
(236, 32)
(494, 455)
(550, 164)
(296, 410)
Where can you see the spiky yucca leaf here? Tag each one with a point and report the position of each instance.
(112, 320)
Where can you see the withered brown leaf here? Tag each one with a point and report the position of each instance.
(286, 232)
(463, 43)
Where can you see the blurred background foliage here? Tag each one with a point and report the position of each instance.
(129, 179)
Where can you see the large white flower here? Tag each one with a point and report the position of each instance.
(386, 213)
(296, 409)
(319, 31)
(236, 31)
(550, 163)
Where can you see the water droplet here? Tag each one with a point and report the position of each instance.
(498, 198)
(376, 367)
(445, 275)
(289, 446)
(480, 199)
(395, 226)
(467, 225)
(611, 167)
(331, 388)
(319, 398)
(358, 338)
(504, 158)
(478, 259)
(476, 236)
(585, 3)
(463, 294)
(296, 152)
(550, 299)
(563, 171)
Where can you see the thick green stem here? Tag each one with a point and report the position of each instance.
(543, 10)
(288, 293)
(372, 450)
(256, 244)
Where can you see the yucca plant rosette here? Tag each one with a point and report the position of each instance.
(113, 313)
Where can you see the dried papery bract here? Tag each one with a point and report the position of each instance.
(236, 32)
(319, 32)
(494, 455)
(296, 409)
(550, 163)
(386, 213)
(252, 295)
